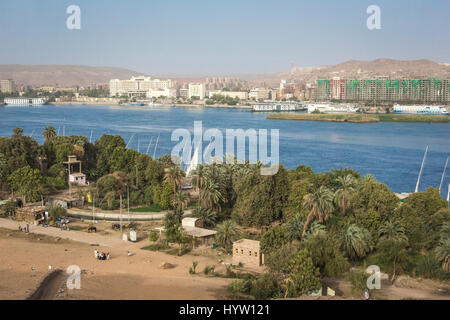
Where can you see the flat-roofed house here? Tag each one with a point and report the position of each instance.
(247, 252)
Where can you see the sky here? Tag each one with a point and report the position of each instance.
(221, 37)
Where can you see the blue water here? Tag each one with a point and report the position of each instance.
(392, 152)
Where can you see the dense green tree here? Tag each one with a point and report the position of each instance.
(260, 199)
(393, 256)
(302, 275)
(372, 205)
(273, 239)
(27, 182)
(326, 254)
(426, 203)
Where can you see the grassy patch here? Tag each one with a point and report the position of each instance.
(152, 208)
(156, 247)
(359, 118)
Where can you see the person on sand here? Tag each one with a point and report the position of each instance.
(129, 254)
(96, 254)
(108, 257)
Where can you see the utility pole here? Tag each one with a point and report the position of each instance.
(121, 214)
(93, 207)
(128, 198)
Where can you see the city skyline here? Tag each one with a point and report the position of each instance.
(205, 39)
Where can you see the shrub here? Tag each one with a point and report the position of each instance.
(194, 266)
(240, 286)
(428, 267)
(265, 287)
(209, 270)
(303, 276)
(153, 236)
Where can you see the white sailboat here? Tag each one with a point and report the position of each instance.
(193, 163)
(421, 169)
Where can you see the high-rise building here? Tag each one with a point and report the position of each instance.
(408, 90)
(197, 90)
(7, 86)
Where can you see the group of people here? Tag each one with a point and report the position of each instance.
(26, 229)
(101, 256)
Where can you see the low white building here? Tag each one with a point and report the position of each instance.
(156, 93)
(241, 95)
(259, 94)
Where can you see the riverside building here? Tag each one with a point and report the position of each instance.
(139, 86)
(412, 90)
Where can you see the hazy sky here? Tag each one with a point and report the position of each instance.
(205, 37)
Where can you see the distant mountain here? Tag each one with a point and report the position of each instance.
(355, 69)
(62, 75)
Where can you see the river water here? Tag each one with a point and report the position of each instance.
(391, 151)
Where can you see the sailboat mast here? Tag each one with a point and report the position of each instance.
(421, 169)
(156, 146)
(443, 174)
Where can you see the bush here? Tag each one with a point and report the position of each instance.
(153, 236)
(265, 287)
(55, 212)
(209, 270)
(303, 276)
(428, 267)
(358, 280)
(240, 286)
(194, 266)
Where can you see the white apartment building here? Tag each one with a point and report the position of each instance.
(7, 86)
(241, 95)
(137, 86)
(197, 90)
(259, 94)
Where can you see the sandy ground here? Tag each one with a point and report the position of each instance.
(26, 259)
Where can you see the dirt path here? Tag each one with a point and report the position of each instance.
(50, 286)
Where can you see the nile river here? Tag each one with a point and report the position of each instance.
(391, 151)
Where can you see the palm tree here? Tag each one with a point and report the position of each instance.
(320, 206)
(49, 133)
(343, 194)
(198, 176)
(208, 216)
(174, 176)
(443, 254)
(316, 229)
(357, 242)
(211, 195)
(179, 201)
(227, 232)
(393, 231)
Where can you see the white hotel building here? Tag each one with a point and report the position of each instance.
(141, 86)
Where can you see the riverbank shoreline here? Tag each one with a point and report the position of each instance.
(360, 118)
(181, 105)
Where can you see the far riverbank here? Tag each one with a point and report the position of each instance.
(360, 118)
(185, 105)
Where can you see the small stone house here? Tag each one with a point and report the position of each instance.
(248, 253)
